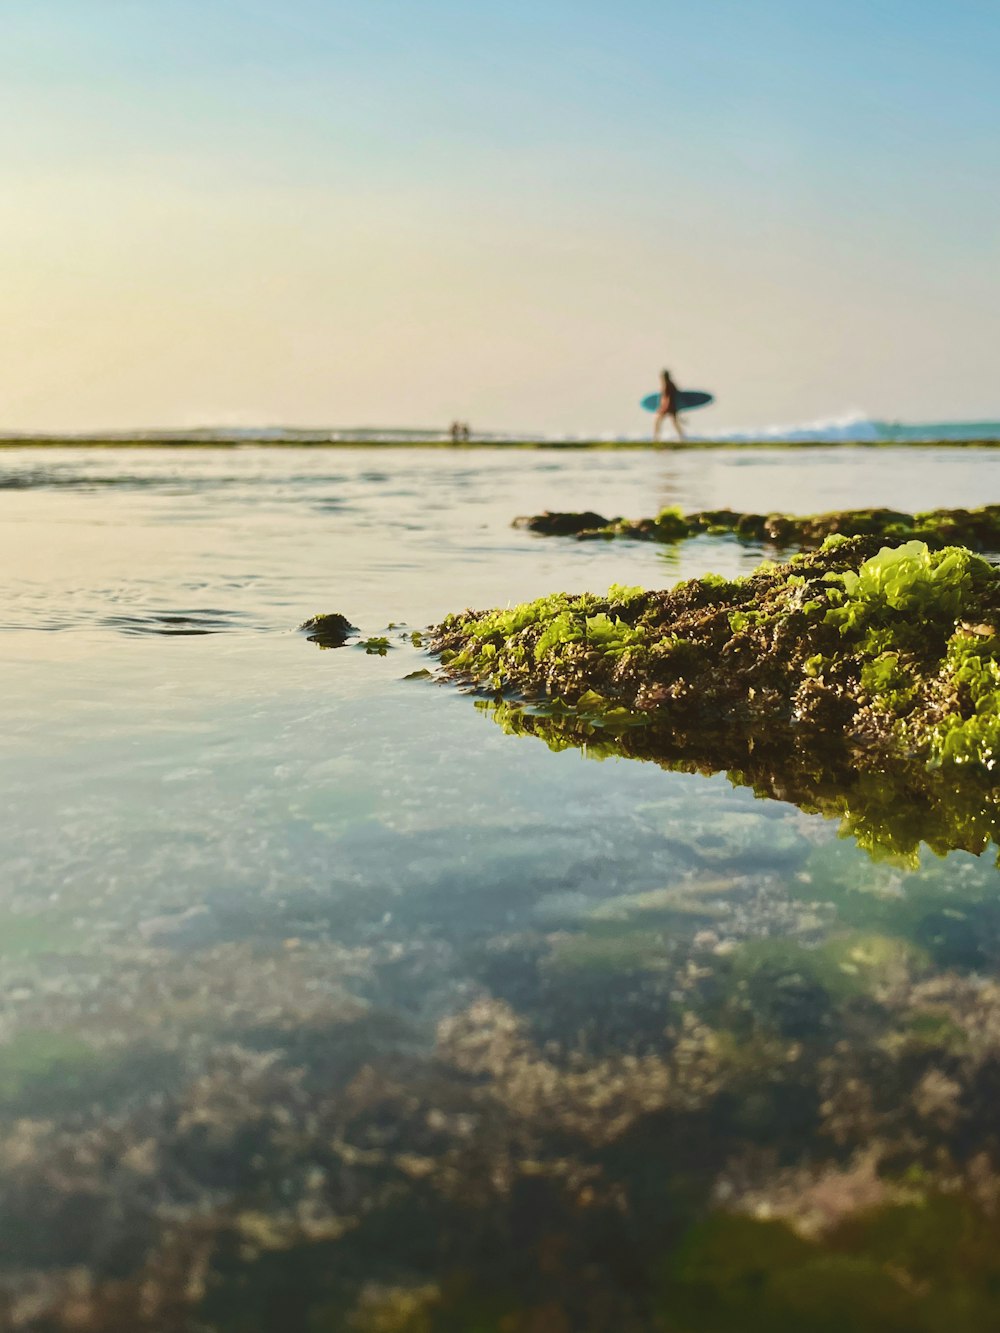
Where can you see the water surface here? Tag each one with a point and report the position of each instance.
(326, 1004)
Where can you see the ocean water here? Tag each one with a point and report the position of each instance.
(847, 427)
(860, 428)
(325, 1004)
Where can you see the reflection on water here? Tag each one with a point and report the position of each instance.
(889, 811)
(326, 1004)
(175, 622)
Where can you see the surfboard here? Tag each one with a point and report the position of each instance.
(686, 399)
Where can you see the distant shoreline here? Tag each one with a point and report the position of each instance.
(195, 442)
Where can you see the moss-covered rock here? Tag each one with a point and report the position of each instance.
(978, 529)
(858, 679)
(328, 631)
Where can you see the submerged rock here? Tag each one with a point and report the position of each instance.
(855, 679)
(329, 631)
(978, 529)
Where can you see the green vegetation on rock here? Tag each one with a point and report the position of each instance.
(908, 1268)
(328, 631)
(376, 646)
(978, 529)
(856, 680)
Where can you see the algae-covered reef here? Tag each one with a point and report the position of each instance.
(977, 529)
(856, 680)
(802, 1136)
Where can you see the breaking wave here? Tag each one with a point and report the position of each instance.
(851, 427)
(857, 427)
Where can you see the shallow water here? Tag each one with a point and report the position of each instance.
(324, 1000)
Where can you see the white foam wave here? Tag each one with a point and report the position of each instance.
(855, 425)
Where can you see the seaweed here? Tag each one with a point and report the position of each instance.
(912, 1267)
(977, 529)
(805, 1140)
(859, 680)
(376, 646)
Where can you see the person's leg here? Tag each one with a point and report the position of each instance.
(677, 425)
(656, 426)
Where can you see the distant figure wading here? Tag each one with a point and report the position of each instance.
(667, 407)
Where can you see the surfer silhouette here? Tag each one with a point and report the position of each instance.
(667, 406)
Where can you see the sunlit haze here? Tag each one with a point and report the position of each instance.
(394, 214)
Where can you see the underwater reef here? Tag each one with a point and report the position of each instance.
(805, 1138)
(977, 529)
(855, 679)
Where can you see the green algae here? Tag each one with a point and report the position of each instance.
(948, 909)
(36, 1059)
(914, 1268)
(23, 935)
(609, 948)
(738, 1274)
(376, 646)
(977, 528)
(502, 1185)
(858, 680)
(335, 631)
(47, 1071)
(844, 967)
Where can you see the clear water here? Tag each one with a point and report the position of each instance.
(325, 1004)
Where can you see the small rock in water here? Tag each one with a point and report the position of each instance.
(330, 631)
(551, 524)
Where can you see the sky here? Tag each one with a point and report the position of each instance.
(399, 212)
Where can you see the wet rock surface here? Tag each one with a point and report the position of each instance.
(329, 631)
(858, 679)
(978, 529)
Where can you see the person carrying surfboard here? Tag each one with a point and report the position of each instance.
(667, 406)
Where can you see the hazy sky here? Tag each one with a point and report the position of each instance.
(395, 212)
